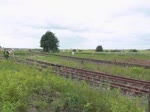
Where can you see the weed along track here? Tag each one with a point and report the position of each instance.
(100, 61)
(131, 86)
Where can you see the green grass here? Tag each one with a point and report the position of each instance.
(1, 52)
(123, 56)
(24, 89)
(131, 72)
(22, 53)
(118, 56)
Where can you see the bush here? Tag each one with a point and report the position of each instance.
(106, 50)
(133, 50)
(99, 48)
(80, 50)
(74, 50)
(116, 50)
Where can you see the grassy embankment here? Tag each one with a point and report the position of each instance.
(132, 72)
(26, 89)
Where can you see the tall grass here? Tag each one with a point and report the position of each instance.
(131, 72)
(26, 89)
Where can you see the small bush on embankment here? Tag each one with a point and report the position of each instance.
(26, 89)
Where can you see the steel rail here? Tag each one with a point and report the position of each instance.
(127, 84)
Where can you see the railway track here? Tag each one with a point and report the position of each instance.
(128, 85)
(99, 61)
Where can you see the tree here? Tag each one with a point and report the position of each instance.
(99, 48)
(49, 42)
(133, 50)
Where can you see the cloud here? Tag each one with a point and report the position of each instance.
(77, 24)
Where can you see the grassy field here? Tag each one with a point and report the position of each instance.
(26, 89)
(123, 56)
(131, 72)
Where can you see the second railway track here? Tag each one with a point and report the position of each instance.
(129, 85)
(99, 61)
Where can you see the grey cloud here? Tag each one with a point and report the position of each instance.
(143, 10)
(60, 27)
(112, 26)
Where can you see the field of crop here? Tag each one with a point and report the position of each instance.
(26, 89)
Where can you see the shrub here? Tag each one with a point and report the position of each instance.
(80, 50)
(74, 50)
(116, 50)
(133, 50)
(99, 48)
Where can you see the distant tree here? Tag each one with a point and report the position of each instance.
(74, 50)
(133, 50)
(49, 42)
(99, 48)
(80, 50)
(115, 50)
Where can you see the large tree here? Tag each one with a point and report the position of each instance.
(49, 42)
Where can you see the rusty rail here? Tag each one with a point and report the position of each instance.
(97, 78)
(94, 78)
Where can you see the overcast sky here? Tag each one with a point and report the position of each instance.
(82, 24)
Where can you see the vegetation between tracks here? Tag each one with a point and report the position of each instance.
(131, 72)
(26, 89)
(122, 56)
